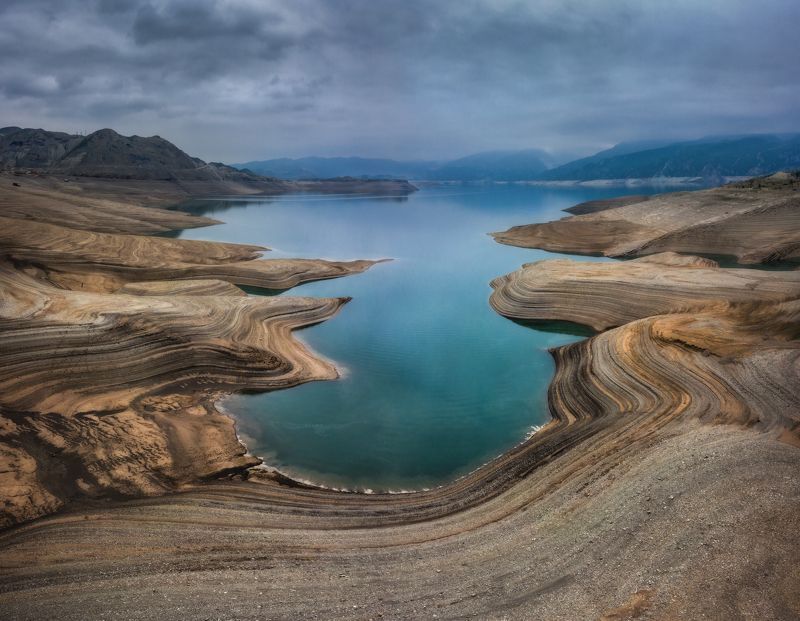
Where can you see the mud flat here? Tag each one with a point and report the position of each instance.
(665, 487)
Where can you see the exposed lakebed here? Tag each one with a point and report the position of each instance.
(434, 382)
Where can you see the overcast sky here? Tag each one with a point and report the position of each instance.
(235, 80)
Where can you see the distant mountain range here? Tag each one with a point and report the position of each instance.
(107, 154)
(495, 165)
(490, 165)
(709, 158)
(154, 162)
(328, 167)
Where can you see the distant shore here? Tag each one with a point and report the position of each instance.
(658, 182)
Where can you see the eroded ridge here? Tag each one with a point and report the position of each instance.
(694, 339)
(650, 463)
(717, 365)
(115, 347)
(757, 221)
(104, 262)
(605, 295)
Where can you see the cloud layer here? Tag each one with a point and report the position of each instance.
(244, 79)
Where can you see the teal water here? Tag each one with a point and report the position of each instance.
(434, 382)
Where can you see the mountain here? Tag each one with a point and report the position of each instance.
(712, 157)
(107, 154)
(485, 166)
(328, 167)
(494, 166)
(33, 148)
(624, 148)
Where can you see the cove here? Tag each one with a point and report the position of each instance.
(434, 383)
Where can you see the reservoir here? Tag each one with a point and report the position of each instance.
(434, 383)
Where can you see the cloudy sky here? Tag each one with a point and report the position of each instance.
(234, 80)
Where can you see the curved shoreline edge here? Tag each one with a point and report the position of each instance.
(665, 486)
(116, 345)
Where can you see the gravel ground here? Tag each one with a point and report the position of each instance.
(699, 523)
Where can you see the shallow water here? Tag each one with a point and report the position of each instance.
(434, 382)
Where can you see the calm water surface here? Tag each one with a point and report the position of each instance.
(434, 382)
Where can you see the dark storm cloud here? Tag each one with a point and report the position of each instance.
(239, 79)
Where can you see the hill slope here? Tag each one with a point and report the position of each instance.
(107, 154)
(709, 158)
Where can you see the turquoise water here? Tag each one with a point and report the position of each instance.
(434, 382)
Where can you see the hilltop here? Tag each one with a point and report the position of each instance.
(107, 154)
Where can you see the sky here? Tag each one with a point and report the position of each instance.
(237, 80)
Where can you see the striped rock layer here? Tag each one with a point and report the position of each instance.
(115, 347)
(651, 494)
(757, 221)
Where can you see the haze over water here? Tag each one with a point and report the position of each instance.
(434, 383)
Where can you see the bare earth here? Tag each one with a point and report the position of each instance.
(115, 347)
(665, 488)
(756, 221)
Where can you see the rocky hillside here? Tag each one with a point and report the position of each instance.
(107, 154)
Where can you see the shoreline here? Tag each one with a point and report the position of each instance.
(117, 343)
(667, 453)
(632, 182)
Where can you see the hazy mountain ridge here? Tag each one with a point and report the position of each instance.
(710, 158)
(495, 166)
(329, 167)
(107, 154)
(484, 166)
